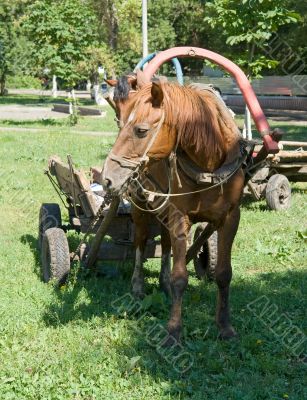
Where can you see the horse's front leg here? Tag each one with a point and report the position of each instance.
(141, 232)
(179, 276)
(223, 272)
(165, 273)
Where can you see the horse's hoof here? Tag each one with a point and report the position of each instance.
(227, 333)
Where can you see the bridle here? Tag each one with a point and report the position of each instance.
(135, 164)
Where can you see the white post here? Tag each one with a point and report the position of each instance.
(70, 102)
(144, 28)
(96, 93)
(248, 124)
(54, 87)
(88, 86)
(247, 127)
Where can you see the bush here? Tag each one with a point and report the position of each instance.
(23, 82)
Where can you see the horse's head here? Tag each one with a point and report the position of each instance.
(144, 135)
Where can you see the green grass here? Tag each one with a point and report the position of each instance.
(85, 124)
(70, 343)
(35, 100)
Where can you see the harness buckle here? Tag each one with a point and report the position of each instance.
(151, 197)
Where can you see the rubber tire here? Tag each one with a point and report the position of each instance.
(55, 256)
(49, 217)
(206, 259)
(278, 193)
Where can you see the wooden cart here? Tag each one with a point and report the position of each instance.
(83, 199)
(271, 180)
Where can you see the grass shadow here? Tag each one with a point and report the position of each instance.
(26, 100)
(37, 100)
(32, 242)
(37, 122)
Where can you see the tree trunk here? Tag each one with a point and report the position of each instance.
(112, 24)
(2, 84)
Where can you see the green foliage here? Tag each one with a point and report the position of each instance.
(7, 40)
(23, 82)
(71, 38)
(95, 57)
(61, 31)
(248, 25)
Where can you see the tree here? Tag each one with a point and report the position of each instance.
(61, 32)
(292, 39)
(248, 25)
(96, 57)
(7, 39)
(119, 29)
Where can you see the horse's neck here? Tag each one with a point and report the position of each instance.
(225, 147)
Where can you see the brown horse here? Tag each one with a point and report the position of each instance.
(159, 122)
(124, 89)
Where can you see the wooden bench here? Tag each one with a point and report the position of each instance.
(84, 111)
(275, 90)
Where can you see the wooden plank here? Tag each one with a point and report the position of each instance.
(101, 232)
(293, 144)
(206, 233)
(289, 156)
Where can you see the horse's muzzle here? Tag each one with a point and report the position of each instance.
(115, 177)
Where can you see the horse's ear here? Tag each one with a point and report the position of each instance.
(156, 94)
(111, 82)
(132, 80)
(141, 78)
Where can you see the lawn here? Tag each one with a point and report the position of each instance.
(71, 343)
(39, 100)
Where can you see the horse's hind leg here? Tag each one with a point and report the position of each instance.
(223, 272)
(141, 233)
(165, 273)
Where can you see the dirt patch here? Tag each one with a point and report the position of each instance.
(27, 113)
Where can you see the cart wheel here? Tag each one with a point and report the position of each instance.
(49, 217)
(55, 255)
(278, 193)
(206, 259)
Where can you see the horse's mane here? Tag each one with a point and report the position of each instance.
(199, 117)
(122, 88)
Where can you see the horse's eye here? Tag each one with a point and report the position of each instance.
(141, 130)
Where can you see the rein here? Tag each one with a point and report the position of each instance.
(166, 195)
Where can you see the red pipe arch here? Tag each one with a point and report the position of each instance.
(247, 91)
